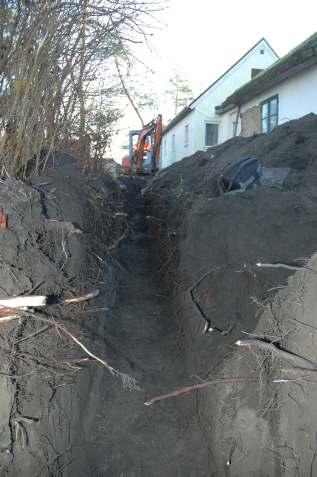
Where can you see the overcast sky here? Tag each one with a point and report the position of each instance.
(202, 38)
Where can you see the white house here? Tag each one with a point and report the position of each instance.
(284, 91)
(198, 126)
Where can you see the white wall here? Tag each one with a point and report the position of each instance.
(204, 107)
(297, 97)
(168, 156)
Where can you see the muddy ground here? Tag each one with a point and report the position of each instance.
(171, 260)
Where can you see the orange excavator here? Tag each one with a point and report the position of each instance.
(144, 148)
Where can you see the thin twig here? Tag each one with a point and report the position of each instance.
(126, 91)
(82, 298)
(41, 330)
(63, 329)
(15, 376)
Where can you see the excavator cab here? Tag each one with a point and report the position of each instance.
(144, 152)
(144, 148)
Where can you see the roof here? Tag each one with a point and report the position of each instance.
(181, 115)
(299, 59)
(188, 109)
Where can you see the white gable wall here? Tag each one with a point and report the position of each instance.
(204, 107)
(297, 96)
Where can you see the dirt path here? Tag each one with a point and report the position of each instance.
(126, 438)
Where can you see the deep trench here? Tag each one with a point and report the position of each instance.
(128, 438)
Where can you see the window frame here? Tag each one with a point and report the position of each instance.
(269, 115)
(214, 123)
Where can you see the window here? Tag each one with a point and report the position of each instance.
(269, 114)
(186, 135)
(211, 134)
(261, 52)
(173, 143)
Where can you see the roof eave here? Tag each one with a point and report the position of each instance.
(177, 119)
(219, 110)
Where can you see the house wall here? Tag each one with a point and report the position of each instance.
(204, 107)
(297, 97)
(168, 156)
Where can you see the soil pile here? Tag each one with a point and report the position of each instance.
(210, 246)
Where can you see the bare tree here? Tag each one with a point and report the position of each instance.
(53, 56)
(180, 92)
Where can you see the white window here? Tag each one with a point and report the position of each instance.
(211, 134)
(186, 135)
(269, 114)
(173, 143)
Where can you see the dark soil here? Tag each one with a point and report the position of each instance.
(57, 227)
(78, 420)
(171, 259)
(221, 239)
(128, 438)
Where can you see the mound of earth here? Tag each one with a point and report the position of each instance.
(210, 248)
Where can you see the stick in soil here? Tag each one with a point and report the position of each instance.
(190, 389)
(295, 360)
(82, 298)
(287, 266)
(198, 307)
(23, 301)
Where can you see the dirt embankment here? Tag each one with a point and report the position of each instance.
(209, 250)
(54, 245)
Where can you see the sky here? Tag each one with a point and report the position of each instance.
(200, 39)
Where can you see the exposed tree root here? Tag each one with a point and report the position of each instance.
(291, 358)
(194, 387)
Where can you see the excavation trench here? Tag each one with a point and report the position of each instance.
(62, 415)
(177, 269)
(127, 438)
